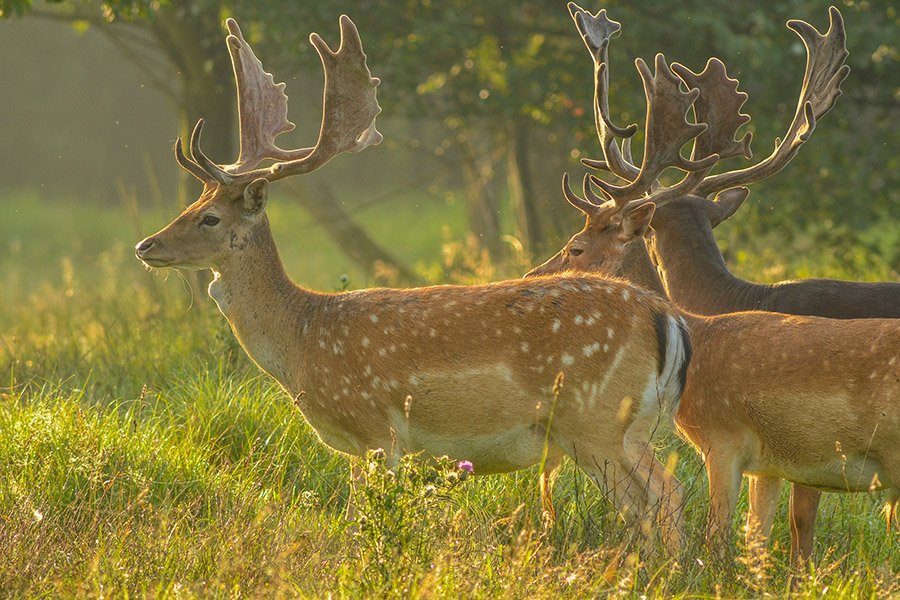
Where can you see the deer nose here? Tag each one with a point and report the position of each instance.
(143, 246)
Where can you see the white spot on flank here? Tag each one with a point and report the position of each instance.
(365, 342)
(432, 333)
(579, 319)
(556, 325)
(413, 380)
(322, 344)
(609, 332)
(382, 352)
(591, 349)
(373, 318)
(626, 295)
(524, 347)
(368, 370)
(606, 347)
(567, 359)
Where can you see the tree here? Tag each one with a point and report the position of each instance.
(510, 88)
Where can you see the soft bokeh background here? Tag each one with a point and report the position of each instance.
(141, 453)
(484, 107)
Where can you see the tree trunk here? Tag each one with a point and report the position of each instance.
(521, 190)
(482, 206)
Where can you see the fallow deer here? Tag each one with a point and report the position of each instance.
(445, 370)
(856, 398)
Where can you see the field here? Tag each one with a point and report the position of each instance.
(142, 454)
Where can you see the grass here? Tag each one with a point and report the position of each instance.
(143, 455)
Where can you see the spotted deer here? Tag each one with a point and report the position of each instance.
(466, 372)
(756, 378)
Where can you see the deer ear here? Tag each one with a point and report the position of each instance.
(255, 196)
(636, 222)
(729, 202)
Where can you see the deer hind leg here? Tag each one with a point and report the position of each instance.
(803, 512)
(612, 474)
(764, 493)
(665, 493)
(724, 472)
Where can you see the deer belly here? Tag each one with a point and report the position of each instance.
(500, 452)
(845, 473)
(480, 415)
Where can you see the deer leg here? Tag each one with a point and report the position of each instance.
(614, 477)
(664, 491)
(764, 494)
(549, 474)
(803, 511)
(724, 487)
(356, 475)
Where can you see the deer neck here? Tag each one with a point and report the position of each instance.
(266, 310)
(638, 268)
(693, 270)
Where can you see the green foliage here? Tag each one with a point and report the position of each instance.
(399, 507)
(109, 9)
(141, 454)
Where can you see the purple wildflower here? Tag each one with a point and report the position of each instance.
(465, 465)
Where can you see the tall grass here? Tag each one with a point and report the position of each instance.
(142, 454)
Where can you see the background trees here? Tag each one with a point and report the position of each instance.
(497, 96)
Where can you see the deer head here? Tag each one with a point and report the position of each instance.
(232, 205)
(622, 213)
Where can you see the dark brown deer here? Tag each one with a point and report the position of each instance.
(693, 271)
(461, 371)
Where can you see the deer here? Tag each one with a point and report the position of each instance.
(461, 371)
(766, 435)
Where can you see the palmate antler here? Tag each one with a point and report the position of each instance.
(825, 71)
(666, 126)
(716, 105)
(596, 31)
(348, 120)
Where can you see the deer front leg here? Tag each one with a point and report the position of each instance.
(548, 476)
(356, 475)
(803, 511)
(764, 494)
(724, 487)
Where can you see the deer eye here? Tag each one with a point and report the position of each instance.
(210, 220)
(576, 251)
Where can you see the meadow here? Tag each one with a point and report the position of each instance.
(143, 455)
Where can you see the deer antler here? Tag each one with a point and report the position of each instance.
(596, 31)
(350, 107)
(719, 106)
(825, 71)
(667, 130)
